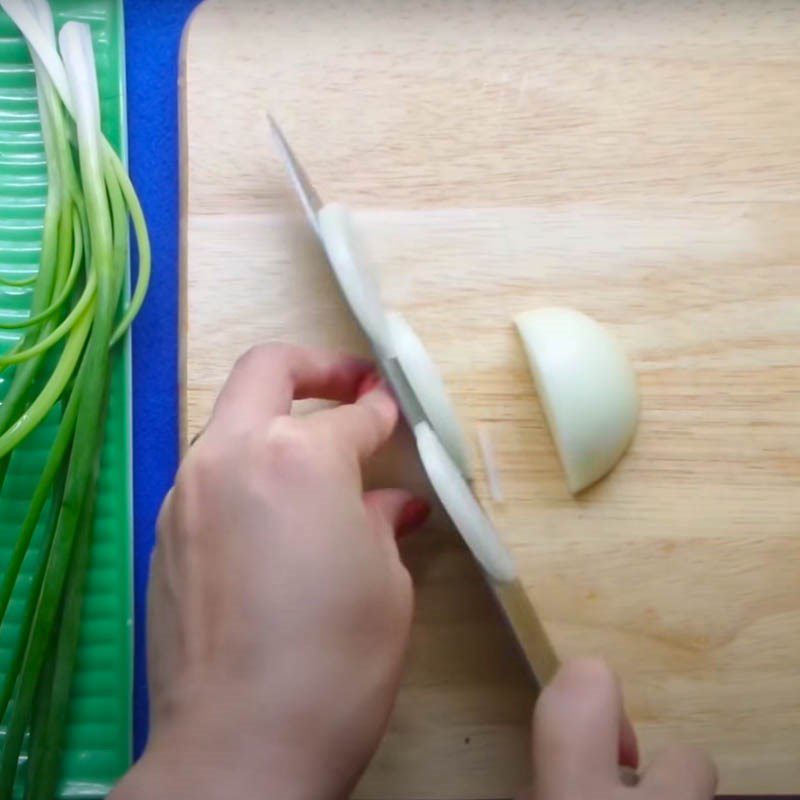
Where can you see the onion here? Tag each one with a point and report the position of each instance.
(462, 507)
(587, 387)
(389, 333)
(427, 383)
(354, 276)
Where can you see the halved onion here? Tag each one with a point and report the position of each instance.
(587, 387)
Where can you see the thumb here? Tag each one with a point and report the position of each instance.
(576, 730)
(681, 771)
(398, 509)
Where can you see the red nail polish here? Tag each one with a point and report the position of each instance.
(629, 760)
(370, 381)
(414, 514)
(628, 745)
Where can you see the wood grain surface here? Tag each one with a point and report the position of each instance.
(639, 161)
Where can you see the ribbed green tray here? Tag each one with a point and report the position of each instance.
(99, 729)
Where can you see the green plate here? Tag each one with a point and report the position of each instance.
(99, 730)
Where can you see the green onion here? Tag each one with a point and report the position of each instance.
(72, 277)
(64, 359)
(50, 713)
(21, 283)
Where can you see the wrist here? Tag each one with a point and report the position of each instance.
(188, 766)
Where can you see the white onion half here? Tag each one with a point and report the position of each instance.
(587, 387)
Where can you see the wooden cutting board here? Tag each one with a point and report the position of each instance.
(640, 161)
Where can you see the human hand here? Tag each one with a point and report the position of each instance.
(581, 738)
(279, 609)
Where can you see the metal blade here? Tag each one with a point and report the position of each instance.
(312, 203)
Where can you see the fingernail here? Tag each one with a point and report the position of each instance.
(370, 381)
(628, 745)
(413, 515)
(629, 761)
(375, 391)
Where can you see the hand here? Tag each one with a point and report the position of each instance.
(279, 609)
(581, 737)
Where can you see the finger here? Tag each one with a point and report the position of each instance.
(267, 378)
(361, 427)
(397, 509)
(681, 773)
(577, 725)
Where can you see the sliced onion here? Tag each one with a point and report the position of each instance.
(427, 383)
(354, 276)
(462, 506)
(389, 334)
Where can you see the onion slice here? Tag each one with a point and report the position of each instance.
(356, 279)
(462, 506)
(428, 386)
(587, 387)
(389, 333)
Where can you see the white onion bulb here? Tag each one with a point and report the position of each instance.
(587, 387)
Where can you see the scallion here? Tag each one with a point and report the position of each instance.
(63, 359)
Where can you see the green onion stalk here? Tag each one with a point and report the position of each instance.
(63, 359)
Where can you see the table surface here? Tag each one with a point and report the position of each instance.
(637, 161)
